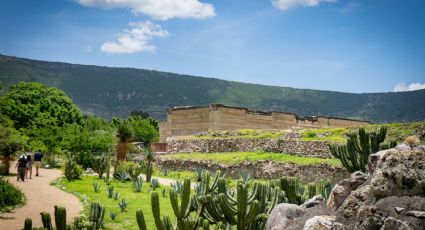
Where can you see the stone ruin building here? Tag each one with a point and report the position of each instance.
(190, 120)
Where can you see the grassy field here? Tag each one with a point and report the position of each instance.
(396, 131)
(238, 157)
(125, 220)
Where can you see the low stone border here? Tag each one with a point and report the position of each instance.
(295, 147)
(261, 169)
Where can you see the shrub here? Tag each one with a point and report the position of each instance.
(85, 159)
(72, 169)
(9, 194)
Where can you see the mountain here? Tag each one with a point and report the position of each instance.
(108, 92)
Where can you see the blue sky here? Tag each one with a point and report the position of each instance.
(341, 45)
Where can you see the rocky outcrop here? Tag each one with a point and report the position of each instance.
(260, 169)
(296, 147)
(283, 215)
(390, 196)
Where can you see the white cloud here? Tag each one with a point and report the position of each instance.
(403, 87)
(158, 9)
(286, 4)
(135, 39)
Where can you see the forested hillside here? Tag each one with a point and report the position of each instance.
(109, 92)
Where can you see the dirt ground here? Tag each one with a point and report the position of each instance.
(41, 196)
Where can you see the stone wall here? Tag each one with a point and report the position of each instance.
(192, 120)
(261, 169)
(300, 148)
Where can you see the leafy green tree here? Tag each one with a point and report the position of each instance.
(143, 130)
(10, 142)
(35, 105)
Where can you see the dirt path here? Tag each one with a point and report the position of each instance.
(41, 196)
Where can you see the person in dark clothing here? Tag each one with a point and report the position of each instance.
(22, 167)
(37, 161)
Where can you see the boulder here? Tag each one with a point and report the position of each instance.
(412, 141)
(323, 223)
(355, 201)
(314, 201)
(392, 223)
(343, 189)
(283, 216)
(399, 173)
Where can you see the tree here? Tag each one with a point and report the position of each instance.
(34, 105)
(10, 142)
(143, 130)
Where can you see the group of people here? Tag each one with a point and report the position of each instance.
(25, 163)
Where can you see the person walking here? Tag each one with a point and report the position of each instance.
(29, 165)
(37, 161)
(22, 167)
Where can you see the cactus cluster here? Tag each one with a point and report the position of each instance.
(101, 165)
(296, 192)
(60, 220)
(355, 153)
(97, 213)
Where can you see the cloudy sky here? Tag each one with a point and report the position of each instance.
(343, 45)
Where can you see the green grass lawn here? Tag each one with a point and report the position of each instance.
(125, 220)
(238, 157)
(178, 175)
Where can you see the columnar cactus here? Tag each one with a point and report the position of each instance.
(97, 213)
(28, 224)
(60, 218)
(355, 153)
(47, 221)
(141, 220)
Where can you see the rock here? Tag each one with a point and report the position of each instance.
(343, 189)
(283, 215)
(403, 147)
(417, 214)
(323, 223)
(412, 141)
(399, 210)
(399, 173)
(357, 199)
(314, 201)
(392, 223)
(89, 171)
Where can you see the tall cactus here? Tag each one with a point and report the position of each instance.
(141, 220)
(46, 220)
(60, 218)
(28, 224)
(355, 153)
(97, 213)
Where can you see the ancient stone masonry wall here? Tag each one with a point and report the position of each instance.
(300, 148)
(192, 120)
(261, 169)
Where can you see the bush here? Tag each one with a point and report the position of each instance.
(85, 159)
(9, 194)
(72, 169)
(3, 169)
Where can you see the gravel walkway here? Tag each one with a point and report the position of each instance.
(41, 196)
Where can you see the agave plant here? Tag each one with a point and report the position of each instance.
(110, 191)
(165, 171)
(137, 184)
(123, 205)
(178, 187)
(96, 187)
(113, 215)
(116, 196)
(154, 183)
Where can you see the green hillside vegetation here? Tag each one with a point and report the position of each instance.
(109, 92)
